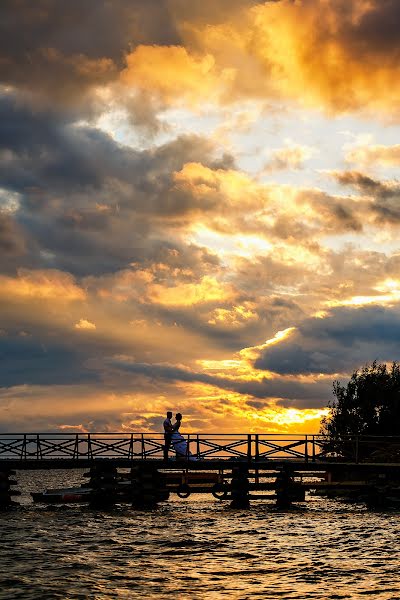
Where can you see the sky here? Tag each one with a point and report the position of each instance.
(199, 210)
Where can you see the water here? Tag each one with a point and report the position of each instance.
(194, 549)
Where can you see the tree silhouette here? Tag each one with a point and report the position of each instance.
(368, 405)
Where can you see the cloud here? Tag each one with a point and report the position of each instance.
(288, 391)
(329, 213)
(27, 408)
(381, 197)
(366, 184)
(171, 73)
(42, 284)
(234, 317)
(330, 54)
(230, 199)
(83, 195)
(90, 206)
(289, 157)
(47, 408)
(68, 57)
(12, 241)
(62, 53)
(318, 52)
(337, 343)
(189, 294)
(168, 263)
(85, 324)
(369, 155)
(27, 361)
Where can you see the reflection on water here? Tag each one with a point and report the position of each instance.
(196, 548)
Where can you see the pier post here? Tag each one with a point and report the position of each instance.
(240, 488)
(103, 481)
(257, 458)
(383, 492)
(6, 492)
(148, 486)
(283, 484)
(376, 498)
(249, 452)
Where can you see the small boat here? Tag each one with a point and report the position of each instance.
(63, 495)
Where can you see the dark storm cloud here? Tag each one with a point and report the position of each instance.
(11, 239)
(377, 30)
(290, 392)
(340, 342)
(40, 149)
(90, 203)
(25, 360)
(60, 49)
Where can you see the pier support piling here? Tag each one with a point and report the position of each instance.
(240, 488)
(148, 486)
(6, 493)
(103, 481)
(284, 485)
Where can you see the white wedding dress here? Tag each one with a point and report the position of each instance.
(180, 446)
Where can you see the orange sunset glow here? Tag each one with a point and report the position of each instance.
(198, 211)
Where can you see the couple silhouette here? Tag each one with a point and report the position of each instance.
(173, 437)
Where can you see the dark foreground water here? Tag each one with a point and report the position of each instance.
(196, 548)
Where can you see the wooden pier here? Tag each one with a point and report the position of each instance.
(232, 467)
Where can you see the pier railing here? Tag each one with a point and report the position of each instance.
(246, 447)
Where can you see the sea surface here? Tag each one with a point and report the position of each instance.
(194, 549)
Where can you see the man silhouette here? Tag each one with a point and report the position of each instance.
(168, 430)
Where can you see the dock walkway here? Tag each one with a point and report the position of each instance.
(129, 467)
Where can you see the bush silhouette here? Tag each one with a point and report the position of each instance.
(369, 405)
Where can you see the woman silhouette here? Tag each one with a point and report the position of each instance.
(178, 442)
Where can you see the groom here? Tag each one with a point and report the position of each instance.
(168, 431)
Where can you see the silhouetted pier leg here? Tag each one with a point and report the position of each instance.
(284, 484)
(240, 488)
(6, 492)
(148, 486)
(383, 495)
(103, 481)
(376, 498)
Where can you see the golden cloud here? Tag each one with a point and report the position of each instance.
(252, 353)
(228, 192)
(389, 294)
(208, 289)
(235, 316)
(143, 286)
(228, 200)
(85, 324)
(374, 154)
(173, 74)
(233, 413)
(121, 286)
(330, 54)
(205, 409)
(339, 55)
(46, 284)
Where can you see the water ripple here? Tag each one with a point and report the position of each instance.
(195, 549)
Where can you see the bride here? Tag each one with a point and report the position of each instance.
(178, 442)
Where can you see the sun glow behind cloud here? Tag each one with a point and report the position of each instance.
(228, 245)
(197, 213)
(389, 294)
